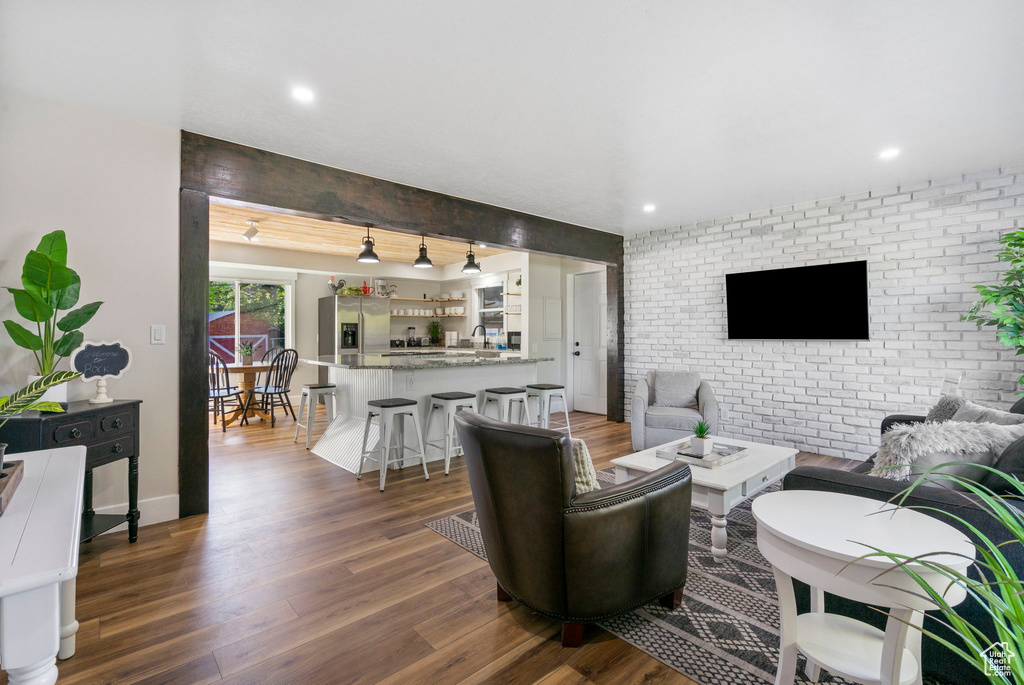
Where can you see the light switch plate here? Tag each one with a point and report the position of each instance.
(157, 335)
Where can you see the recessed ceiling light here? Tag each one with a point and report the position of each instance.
(649, 208)
(302, 94)
(889, 153)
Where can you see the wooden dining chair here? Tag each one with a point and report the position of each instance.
(221, 391)
(267, 358)
(274, 392)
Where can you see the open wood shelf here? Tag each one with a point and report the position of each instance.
(426, 316)
(430, 299)
(519, 294)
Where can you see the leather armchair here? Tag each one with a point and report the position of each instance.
(576, 558)
(652, 425)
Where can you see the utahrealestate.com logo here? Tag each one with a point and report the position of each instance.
(997, 659)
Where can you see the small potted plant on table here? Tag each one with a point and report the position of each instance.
(245, 350)
(701, 443)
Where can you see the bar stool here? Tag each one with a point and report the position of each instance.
(389, 412)
(448, 403)
(504, 397)
(544, 392)
(312, 395)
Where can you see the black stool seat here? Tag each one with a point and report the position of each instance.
(546, 386)
(453, 396)
(317, 387)
(391, 403)
(505, 391)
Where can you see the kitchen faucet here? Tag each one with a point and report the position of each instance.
(480, 325)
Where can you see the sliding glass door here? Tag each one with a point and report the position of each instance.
(242, 312)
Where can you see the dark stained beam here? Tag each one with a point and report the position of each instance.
(236, 172)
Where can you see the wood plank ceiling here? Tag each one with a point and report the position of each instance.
(227, 224)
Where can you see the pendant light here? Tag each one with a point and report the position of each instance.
(471, 266)
(368, 256)
(423, 262)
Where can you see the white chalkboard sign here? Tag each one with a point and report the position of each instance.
(99, 361)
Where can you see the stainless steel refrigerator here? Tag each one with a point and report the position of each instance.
(353, 325)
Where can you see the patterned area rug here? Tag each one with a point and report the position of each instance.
(726, 629)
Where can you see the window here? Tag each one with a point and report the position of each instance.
(492, 306)
(262, 320)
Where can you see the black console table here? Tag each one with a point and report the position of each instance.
(109, 432)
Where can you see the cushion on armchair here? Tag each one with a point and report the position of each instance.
(586, 477)
(679, 418)
(675, 388)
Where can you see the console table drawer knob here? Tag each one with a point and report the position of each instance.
(75, 433)
(118, 448)
(118, 423)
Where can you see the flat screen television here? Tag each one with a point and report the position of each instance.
(822, 302)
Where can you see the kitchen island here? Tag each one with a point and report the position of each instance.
(360, 378)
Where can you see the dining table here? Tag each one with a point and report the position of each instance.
(247, 374)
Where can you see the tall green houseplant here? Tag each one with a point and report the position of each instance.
(1002, 305)
(49, 287)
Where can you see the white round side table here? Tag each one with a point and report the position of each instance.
(814, 536)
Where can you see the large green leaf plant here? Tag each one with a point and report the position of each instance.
(29, 396)
(1002, 305)
(49, 287)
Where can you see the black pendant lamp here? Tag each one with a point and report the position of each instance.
(368, 256)
(423, 261)
(471, 266)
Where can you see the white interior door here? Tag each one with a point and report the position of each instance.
(589, 346)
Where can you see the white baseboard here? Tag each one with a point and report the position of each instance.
(152, 510)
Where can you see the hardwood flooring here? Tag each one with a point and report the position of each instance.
(302, 574)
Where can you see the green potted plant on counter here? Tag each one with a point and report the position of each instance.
(436, 331)
(49, 287)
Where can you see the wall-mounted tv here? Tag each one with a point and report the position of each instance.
(822, 302)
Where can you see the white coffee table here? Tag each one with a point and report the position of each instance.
(718, 490)
(819, 537)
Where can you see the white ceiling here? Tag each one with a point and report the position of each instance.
(580, 111)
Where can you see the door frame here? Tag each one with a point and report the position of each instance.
(570, 327)
(247, 176)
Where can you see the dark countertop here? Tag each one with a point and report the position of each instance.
(440, 360)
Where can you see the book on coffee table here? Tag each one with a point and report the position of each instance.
(720, 454)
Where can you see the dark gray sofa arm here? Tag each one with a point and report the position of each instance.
(893, 419)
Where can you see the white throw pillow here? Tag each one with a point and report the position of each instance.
(975, 413)
(676, 389)
(586, 476)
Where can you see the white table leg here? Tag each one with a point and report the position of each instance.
(813, 670)
(68, 624)
(895, 640)
(719, 538)
(786, 673)
(30, 635)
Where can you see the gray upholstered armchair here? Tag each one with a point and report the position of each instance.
(668, 404)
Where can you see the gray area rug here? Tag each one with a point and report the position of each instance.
(726, 629)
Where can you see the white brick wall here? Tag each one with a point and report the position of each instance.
(926, 245)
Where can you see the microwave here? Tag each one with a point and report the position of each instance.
(515, 340)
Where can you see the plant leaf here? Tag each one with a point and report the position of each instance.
(55, 246)
(30, 394)
(46, 406)
(68, 342)
(31, 306)
(77, 318)
(41, 273)
(22, 337)
(66, 298)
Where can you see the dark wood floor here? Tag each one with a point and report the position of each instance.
(301, 574)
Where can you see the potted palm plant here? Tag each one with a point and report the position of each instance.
(49, 287)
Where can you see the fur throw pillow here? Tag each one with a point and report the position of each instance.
(945, 408)
(586, 477)
(913, 449)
